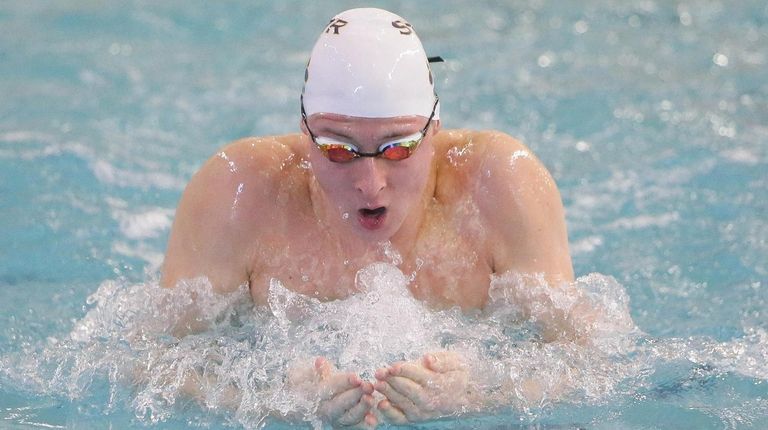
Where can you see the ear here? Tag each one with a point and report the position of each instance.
(436, 124)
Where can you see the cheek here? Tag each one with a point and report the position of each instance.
(330, 178)
(408, 184)
(323, 172)
(416, 173)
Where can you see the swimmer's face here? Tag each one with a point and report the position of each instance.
(373, 196)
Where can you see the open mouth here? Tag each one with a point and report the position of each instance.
(371, 219)
(373, 212)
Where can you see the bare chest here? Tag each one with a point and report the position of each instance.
(448, 266)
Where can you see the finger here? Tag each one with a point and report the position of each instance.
(338, 383)
(371, 420)
(358, 412)
(409, 389)
(398, 400)
(414, 372)
(391, 413)
(339, 405)
(381, 373)
(443, 361)
(367, 387)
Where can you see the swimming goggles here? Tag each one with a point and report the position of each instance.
(342, 152)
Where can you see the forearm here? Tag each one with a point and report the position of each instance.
(522, 380)
(227, 395)
(579, 311)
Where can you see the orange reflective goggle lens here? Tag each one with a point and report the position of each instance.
(341, 152)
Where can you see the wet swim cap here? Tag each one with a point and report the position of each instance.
(369, 63)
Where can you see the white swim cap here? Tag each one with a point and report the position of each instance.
(369, 63)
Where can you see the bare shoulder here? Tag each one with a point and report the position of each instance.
(485, 161)
(510, 167)
(517, 199)
(223, 208)
(242, 176)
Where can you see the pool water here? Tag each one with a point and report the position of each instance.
(651, 115)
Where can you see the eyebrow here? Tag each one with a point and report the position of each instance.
(391, 135)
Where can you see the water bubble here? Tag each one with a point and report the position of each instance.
(684, 15)
(582, 146)
(720, 59)
(545, 60)
(580, 27)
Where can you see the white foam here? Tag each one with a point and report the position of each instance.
(108, 174)
(148, 223)
(140, 341)
(741, 155)
(586, 245)
(23, 136)
(140, 251)
(645, 221)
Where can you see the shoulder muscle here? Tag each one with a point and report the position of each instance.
(213, 229)
(521, 204)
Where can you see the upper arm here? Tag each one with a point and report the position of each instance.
(521, 205)
(213, 232)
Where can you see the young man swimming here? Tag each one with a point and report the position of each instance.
(373, 165)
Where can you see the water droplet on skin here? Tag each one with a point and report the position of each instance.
(345, 215)
(419, 263)
(458, 155)
(232, 166)
(305, 278)
(282, 198)
(391, 253)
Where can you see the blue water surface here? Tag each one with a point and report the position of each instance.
(651, 115)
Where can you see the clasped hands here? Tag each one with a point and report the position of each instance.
(434, 386)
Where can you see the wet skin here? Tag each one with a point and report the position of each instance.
(464, 206)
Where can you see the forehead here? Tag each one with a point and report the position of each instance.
(349, 125)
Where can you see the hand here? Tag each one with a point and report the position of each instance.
(344, 399)
(435, 386)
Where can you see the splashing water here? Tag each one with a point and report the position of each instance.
(132, 343)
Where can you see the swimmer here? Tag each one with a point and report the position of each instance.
(374, 165)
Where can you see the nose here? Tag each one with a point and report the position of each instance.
(371, 177)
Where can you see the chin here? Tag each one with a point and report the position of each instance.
(383, 233)
(376, 236)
